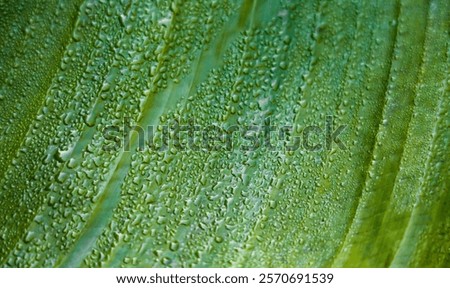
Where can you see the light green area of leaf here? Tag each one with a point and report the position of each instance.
(70, 69)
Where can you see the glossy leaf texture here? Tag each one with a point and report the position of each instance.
(71, 69)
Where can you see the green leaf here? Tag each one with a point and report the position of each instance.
(77, 75)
